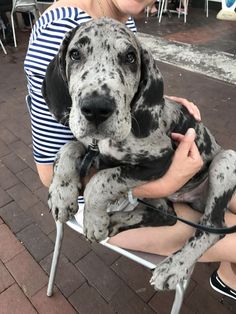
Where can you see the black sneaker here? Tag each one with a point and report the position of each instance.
(218, 285)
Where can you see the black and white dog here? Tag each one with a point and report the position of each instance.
(106, 86)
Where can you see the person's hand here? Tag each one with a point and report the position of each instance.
(187, 160)
(191, 107)
(186, 163)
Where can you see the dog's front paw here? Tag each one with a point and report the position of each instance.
(63, 199)
(96, 227)
(168, 274)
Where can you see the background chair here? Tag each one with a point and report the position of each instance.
(2, 26)
(163, 4)
(207, 5)
(29, 6)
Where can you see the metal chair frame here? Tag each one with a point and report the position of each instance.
(207, 5)
(148, 260)
(30, 6)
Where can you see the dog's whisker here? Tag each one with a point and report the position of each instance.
(133, 117)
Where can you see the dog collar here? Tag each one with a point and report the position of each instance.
(89, 158)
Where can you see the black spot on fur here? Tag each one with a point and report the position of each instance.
(83, 77)
(149, 169)
(221, 202)
(84, 41)
(154, 93)
(143, 123)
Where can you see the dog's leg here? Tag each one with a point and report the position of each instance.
(222, 185)
(65, 186)
(142, 216)
(104, 188)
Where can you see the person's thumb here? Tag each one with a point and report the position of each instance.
(187, 141)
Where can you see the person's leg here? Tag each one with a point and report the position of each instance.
(159, 240)
(168, 239)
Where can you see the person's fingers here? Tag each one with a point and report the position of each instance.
(194, 152)
(191, 107)
(186, 142)
(177, 136)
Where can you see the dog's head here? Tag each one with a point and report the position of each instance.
(96, 79)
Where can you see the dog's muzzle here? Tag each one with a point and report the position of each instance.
(97, 109)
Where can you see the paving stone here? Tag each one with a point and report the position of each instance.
(6, 279)
(4, 198)
(136, 275)
(6, 136)
(7, 178)
(15, 217)
(201, 296)
(30, 178)
(14, 163)
(36, 242)
(4, 150)
(22, 196)
(14, 301)
(68, 277)
(17, 128)
(29, 276)
(24, 152)
(107, 255)
(100, 275)
(9, 245)
(86, 300)
(125, 301)
(74, 245)
(42, 217)
(56, 304)
(42, 194)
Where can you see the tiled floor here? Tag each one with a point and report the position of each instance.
(92, 279)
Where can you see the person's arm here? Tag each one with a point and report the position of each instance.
(186, 163)
(45, 173)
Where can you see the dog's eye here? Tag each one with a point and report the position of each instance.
(130, 57)
(75, 55)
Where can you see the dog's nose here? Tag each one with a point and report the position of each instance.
(97, 109)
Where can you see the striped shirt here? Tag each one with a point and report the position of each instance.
(48, 135)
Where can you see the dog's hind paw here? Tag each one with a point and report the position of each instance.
(96, 228)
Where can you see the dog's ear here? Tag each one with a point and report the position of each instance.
(149, 94)
(55, 88)
(151, 82)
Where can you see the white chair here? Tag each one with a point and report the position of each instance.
(29, 6)
(207, 5)
(2, 26)
(148, 260)
(164, 6)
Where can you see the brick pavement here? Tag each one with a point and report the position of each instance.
(91, 278)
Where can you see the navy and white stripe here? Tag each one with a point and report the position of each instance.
(48, 135)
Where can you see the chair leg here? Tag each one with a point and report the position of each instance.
(179, 294)
(55, 258)
(13, 29)
(3, 48)
(162, 4)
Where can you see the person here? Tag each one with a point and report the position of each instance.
(49, 136)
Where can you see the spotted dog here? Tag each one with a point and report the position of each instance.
(106, 86)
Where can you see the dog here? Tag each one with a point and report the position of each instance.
(106, 86)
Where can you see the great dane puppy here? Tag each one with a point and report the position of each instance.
(106, 86)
